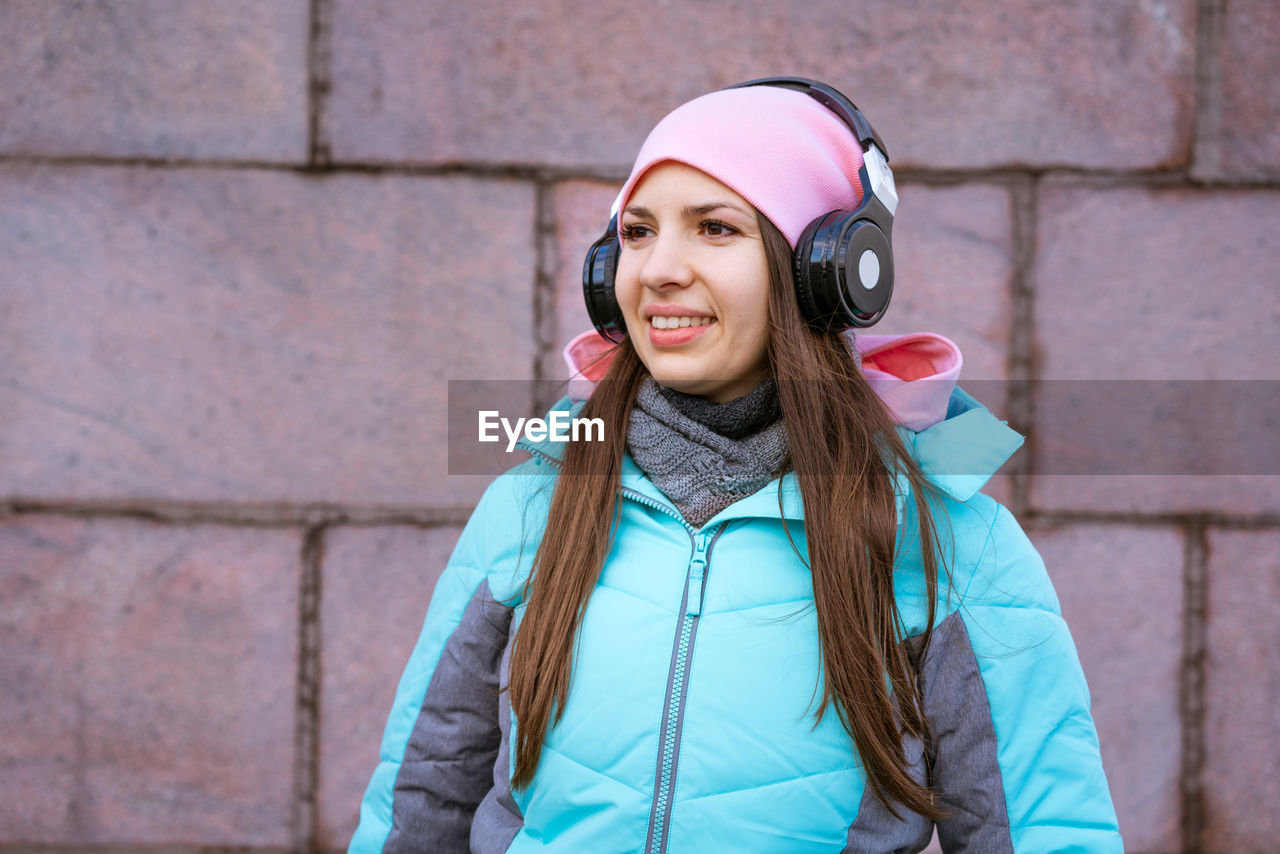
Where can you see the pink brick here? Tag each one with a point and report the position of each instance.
(1092, 84)
(1137, 283)
(377, 585)
(1242, 670)
(148, 683)
(1244, 495)
(252, 336)
(1250, 100)
(1155, 285)
(1121, 590)
(155, 78)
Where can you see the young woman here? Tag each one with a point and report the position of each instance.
(770, 612)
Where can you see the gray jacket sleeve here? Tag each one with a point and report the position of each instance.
(448, 763)
(1014, 750)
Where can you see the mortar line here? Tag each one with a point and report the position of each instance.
(1024, 201)
(544, 295)
(177, 513)
(260, 517)
(1191, 688)
(1072, 176)
(1264, 521)
(305, 818)
(251, 516)
(319, 83)
(156, 848)
(1205, 161)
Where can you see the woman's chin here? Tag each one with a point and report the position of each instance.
(717, 391)
(683, 382)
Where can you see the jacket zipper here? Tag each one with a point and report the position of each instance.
(695, 587)
(669, 737)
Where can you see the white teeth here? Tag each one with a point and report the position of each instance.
(678, 322)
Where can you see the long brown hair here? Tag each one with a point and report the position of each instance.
(846, 455)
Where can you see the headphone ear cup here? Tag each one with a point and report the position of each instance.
(866, 272)
(804, 271)
(843, 270)
(598, 273)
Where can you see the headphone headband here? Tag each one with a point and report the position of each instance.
(831, 98)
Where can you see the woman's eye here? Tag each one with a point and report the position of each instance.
(634, 232)
(715, 228)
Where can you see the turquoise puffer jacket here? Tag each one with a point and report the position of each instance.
(691, 726)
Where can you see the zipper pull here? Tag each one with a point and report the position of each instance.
(697, 572)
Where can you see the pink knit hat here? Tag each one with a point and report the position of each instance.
(789, 156)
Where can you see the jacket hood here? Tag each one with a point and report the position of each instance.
(957, 442)
(913, 374)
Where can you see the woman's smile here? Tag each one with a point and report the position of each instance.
(670, 326)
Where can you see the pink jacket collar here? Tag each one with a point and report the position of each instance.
(913, 374)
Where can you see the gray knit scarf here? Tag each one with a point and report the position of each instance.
(702, 455)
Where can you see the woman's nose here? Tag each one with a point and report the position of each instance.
(666, 263)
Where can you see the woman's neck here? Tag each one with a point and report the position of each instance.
(733, 419)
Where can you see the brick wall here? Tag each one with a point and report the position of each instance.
(243, 245)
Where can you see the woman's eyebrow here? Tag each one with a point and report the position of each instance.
(708, 207)
(690, 211)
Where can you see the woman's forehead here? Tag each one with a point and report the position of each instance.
(670, 181)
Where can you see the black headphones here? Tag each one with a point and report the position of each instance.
(830, 248)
